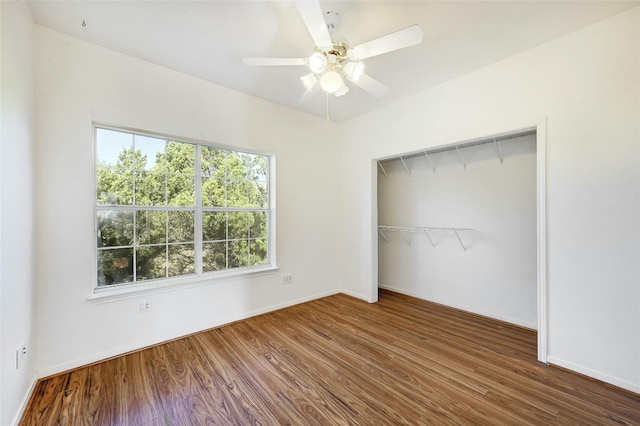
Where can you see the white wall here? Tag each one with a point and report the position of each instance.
(78, 82)
(586, 85)
(17, 243)
(496, 275)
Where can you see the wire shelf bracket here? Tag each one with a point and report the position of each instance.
(495, 142)
(405, 166)
(461, 158)
(433, 167)
(383, 170)
(427, 230)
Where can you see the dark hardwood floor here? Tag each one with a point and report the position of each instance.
(336, 361)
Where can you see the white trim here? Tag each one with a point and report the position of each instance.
(541, 132)
(633, 387)
(373, 231)
(541, 215)
(160, 135)
(101, 356)
(24, 402)
(356, 295)
(127, 291)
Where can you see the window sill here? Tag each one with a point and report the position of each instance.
(128, 291)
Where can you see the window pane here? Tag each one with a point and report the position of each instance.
(235, 166)
(258, 252)
(150, 189)
(258, 225)
(115, 266)
(213, 192)
(214, 226)
(213, 162)
(257, 167)
(115, 228)
(238, 254)
(238, 225)
(181, 259)
(237, 193)
(151, 262)
(181, 190)
(114, 149)
(258, 195)
(181, 226)
(150, 153)
(214, 256)
(181, 157)
(114, 187)
(151, 227)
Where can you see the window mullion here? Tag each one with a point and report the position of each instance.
(134, 208)
(166, 204)
(198, 213)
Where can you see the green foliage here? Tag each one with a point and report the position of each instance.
(164, 239)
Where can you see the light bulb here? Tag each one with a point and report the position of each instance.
(317, 63)
(331, 82)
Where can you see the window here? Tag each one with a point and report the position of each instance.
(168, 208)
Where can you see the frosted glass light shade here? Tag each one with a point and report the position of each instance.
(354, 70)
(309, 80)
(342, 90)
(317, 63)
(331, 82)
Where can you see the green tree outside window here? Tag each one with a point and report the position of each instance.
(146, 207)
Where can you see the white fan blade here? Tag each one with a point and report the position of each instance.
(394, 41)
(314, 20)
(310, 94)
(371, 85)
(274, 61)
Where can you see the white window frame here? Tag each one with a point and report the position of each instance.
(135, 288)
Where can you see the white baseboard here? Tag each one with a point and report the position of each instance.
(24, 402)
(121, 350)
(354, 294)
(633, 387)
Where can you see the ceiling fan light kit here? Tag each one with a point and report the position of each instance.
(354, 70)
(317, 63)
(309, 81)
(331, 81)
(333, 61)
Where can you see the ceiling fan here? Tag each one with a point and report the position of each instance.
(334, 60)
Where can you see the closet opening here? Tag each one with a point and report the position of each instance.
(463, 225)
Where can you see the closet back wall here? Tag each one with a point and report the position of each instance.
(496, 275)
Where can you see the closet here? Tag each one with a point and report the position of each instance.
(457, 226)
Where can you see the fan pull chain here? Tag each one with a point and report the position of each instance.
(327, 106)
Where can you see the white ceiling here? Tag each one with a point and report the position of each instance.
(208, 39)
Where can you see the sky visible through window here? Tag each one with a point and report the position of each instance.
(111, 143)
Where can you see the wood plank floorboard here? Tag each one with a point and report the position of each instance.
(336, 361)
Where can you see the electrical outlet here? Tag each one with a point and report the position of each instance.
(144, 306)
(21, 352)
(287, 278)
